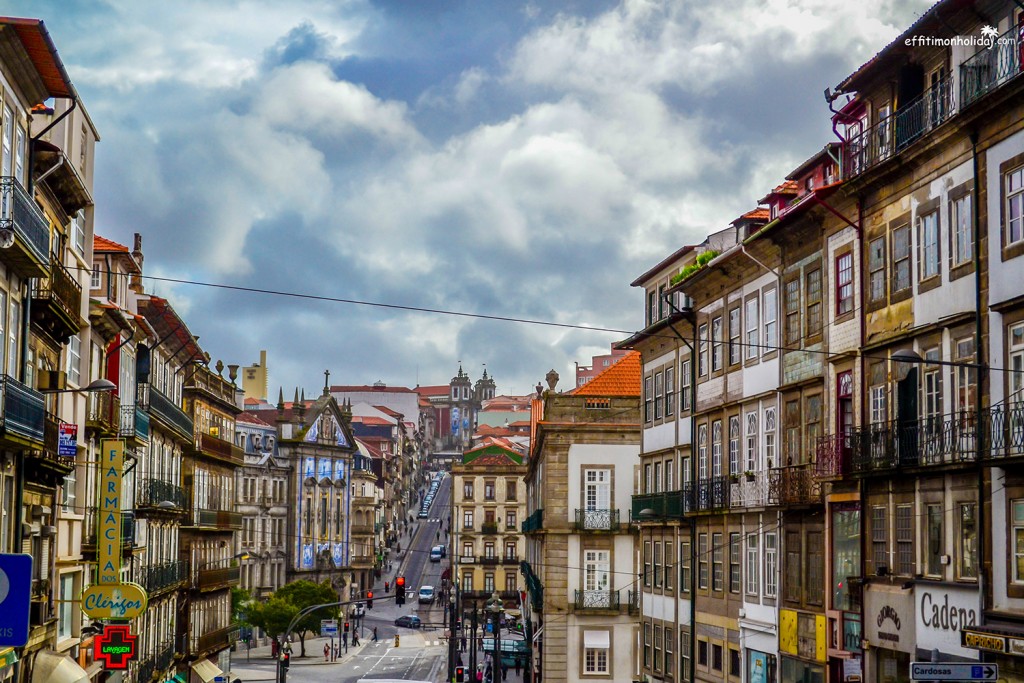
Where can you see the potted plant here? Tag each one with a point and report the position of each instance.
(749, 474)
(734, 477)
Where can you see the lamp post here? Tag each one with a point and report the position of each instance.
(494, 609)
(452, 636)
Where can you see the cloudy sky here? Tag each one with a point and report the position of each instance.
(510, 158)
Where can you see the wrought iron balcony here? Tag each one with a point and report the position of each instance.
(990, 67)
(159, 577)
(510, 559)
(104, 413)
(165, 411)
(155, 666)
(151, 492)
(793, 485)
(488, 559)
(534, 522)
(749, 490)
(634, 602)
(23, 412)
(362, 529)
(832, 456)
(533, 586)
(707, 495)
(218, 577)
(221, 639)
(489, 528)
(57, 303)
(664, 505)
(29, 255)
(226, 520)
(597, 600)
(212, 446)
(940, 440)
(134, 424)
(597, 520)
(1006, 430)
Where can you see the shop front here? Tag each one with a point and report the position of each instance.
(889, 633)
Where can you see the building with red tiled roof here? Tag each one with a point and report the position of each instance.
(598, 364)
(621, 379)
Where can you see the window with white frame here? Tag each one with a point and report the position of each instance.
(1016, 374)
(771, 564)
(769, 436)
(597, 489)
(879, 537)
(751, 463)
(648, 399)
(905, 540)
(1017, 513)
(659, 391)
(735, 333)
(734, 444)
(669, 476)
(66, 608)
(966, 380)
(78, 232)
(702, 451)
(716, 448)
(844, 283)
(717, 563)
(8, 141)
(685, 387)
(702, 354)
(702, 561)
(1014, 231)
(657, 564)
(716, 344)
(595, 659)
(900, 259)
(770, 313)
(74, 360)
(753, 565)
(753, 329)
(670, 390)
(95, 282)
(928, 229)
(963, 235)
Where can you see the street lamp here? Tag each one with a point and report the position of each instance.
(96, 386)
(452, 649)
(494, 609)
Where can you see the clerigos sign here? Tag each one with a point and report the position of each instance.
(109, 598)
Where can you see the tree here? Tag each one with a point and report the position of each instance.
(273, 616)
(302, 594)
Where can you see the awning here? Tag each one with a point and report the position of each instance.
(7, 657)
(53, 667)
(599, 640)
(178, 678)
(205, 670)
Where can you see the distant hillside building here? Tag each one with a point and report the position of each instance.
(598, 364)
(254, 379)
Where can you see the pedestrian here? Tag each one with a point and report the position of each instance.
(327, 652)
(355, 638)
(375, 633)
(504, 671)
(387, 586)
(463, 643)
(438, 534)
(519, 667)
(337, 651)
(479, 674)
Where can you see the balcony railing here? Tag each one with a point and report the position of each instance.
(210, 445)
(940, 440)
(57, 302)
(510, 559)
(1006, 430)
(218, 577)
(707, 494)
(51, 438)
(664, 505)
(467, 559)
(362, 529)
(595, 599)
(534, 522)
(104, 412)
(217, 519)
(750, 490)
(18, 212)
(165, 410)
(793, 485)
(151, 492)
(156, 664)
(23, 412)
(489, 559)
(533, 586)
(89, 530)
(215, 640)
(832, 456)
(134, 423)
(489, 528)
(634, 602)
(158, 577)
(990, 67)
(597, 520)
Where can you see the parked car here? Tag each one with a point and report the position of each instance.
(436, 553)
(409, 621)
(426, 595)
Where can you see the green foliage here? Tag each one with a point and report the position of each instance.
(295, 597)
(702, 260)
(241, 604)
(273, 616)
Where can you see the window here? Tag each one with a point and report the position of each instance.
(734, 662)
(78, 233)
(648, 399)
(883, 131)
(647, 645)
(877, 395)
(510, 490)
(467, 550)
(684, 566)
(1015, 206)
(74, 368)
(769, 436)
(702, 653)
(489, 490)
(900, 259)
(1016, 396)
(933, 560)
(734, 336)
(815, 568)
(652, 307)
(966, 382)
(647, 564)
(657, 564)
(753, 566)
(69, 493)
(702, 355)
(734, 444)
(791, 300)
(793, 584)
(467, 519)
(928, 227)
(702, 451)
(8, 141)
(716, 344)
(968, 541)
(467, 490)
(595, 660)
(657, 648)
(702, 561)
(879, 537)
(716, 657)
(670, 636)
(659, 391)
(467, 581)
(1017, 512)
(876, 269)
(904, 540)
(771, 565)
(489, 582)
(734, 562)
(510, 520)
(661, 302)
(66, 608)
(670, 390)
(753, 330)
(812, 297)
(717, 566)
(751, 441)
(770, 318)
(844, 284)
(716, 448)
(669, 561)
(684, 385)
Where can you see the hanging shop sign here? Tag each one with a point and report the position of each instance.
(108, 536)
(116, 601)
(67, 440)
(115, 647)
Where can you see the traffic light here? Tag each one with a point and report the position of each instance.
(346, 627)
(460, 674)
(400, 590)
(286, 659)
(369, 599)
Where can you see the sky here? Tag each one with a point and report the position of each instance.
(520, 159)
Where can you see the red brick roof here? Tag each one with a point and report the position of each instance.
(435, 390)
(388, 411)
(370, 387)
(621, 379)
(103, 244)
(371, 420)
(251, 418)
(760, 213)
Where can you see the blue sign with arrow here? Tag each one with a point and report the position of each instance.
(15, 592)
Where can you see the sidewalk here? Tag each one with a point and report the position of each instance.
(257, 664)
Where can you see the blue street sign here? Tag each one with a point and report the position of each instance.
(15, 591)
(941, 671)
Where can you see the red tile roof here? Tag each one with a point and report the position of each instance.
(370, 387)
(388, 411)
(371, 420)
(621, 379)
(103, 244)
(434, 390)
(760, 213)
(252, 418)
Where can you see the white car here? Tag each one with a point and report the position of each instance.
(426, 595)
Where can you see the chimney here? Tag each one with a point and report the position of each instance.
(136, 280)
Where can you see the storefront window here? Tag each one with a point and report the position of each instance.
(893, 666)
(845, 555)
(760, 667)
(795, 671)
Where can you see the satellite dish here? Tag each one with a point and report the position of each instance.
(6, 238)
